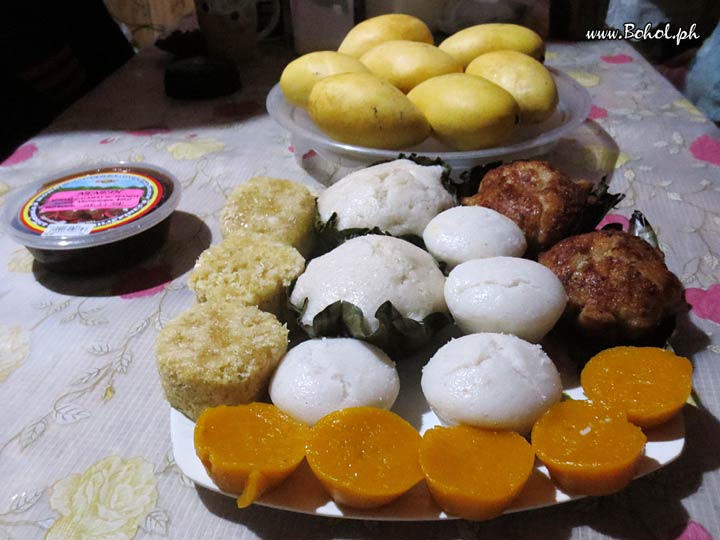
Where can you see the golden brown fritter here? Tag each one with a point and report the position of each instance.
(544, 202)
(619, 289)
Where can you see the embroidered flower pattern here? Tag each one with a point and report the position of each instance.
(14, 348)
(705, 303)
(617, 59)
(23, 153)
(694, 531)
(705, 148)
(108, 501)
(195, 148)
(597, 113)
(20, 261)
(585, 78)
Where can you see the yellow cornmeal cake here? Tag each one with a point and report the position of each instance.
(279, 208)
(218, 354)
(247, 268)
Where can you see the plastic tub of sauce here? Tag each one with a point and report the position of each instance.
(94, 219)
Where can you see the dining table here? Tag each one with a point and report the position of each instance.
(85, 436)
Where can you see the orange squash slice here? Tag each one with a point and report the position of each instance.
(249, 449)
(587, 448)
(649, 384)
(474, 473)
(365, 457)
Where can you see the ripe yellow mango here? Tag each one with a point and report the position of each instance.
(300, 75)
(527, 80)
(364, 110)
(408, 63)
(392, 26)
(469, 43)
(466, 112)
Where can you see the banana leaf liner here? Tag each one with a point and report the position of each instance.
(395, 333)
(328, 236)
(467, 184)
(600, 202)
(581, 349)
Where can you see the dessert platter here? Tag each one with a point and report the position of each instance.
(416, 390)
(416, 342)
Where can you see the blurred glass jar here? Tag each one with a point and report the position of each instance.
(459, 14)
(320, 25)
(230, 27)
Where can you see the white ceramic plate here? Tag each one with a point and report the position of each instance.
(302, 492)
(328, 160)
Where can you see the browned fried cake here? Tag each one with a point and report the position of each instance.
(544, 202)
(619, 289)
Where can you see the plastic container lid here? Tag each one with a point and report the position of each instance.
(91, 206)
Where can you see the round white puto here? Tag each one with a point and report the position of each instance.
(464, 233)
(367, 271)
(492, 381)
(324, 375)
(507, 295)
(399, 197)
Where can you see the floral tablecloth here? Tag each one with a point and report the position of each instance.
(85, 448)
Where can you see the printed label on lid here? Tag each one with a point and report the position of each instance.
(91, 202)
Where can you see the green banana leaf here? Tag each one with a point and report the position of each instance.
(395, 333)
(328, 236)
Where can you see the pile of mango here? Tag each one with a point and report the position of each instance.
(388, 86)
